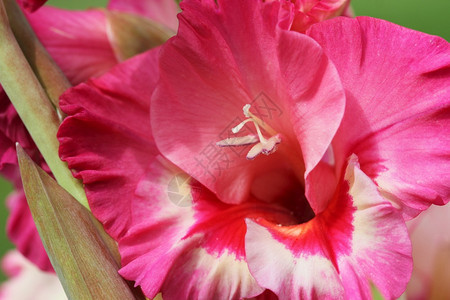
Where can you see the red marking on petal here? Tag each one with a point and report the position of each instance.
(313, 237)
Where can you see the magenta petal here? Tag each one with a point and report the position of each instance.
(23, 233)
(107, 137)
(359, 238)
(317, 107)
(77, 41)
(186, 249)
(198, 100)
(161, 11)
(398, 109)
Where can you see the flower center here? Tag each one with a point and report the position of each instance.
(281, 188)
(262, 144)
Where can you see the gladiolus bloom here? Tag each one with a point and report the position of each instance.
(249, 175)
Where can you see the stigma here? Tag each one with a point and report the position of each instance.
(262, 144)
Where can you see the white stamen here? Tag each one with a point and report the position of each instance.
(261, 138)
(269, 147)
(238, 141)
(255, 151)
(238, 127)
(265, 146)
(246, 110)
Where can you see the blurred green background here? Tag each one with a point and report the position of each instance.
(432, 16)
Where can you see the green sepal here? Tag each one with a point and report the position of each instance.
(84, 264)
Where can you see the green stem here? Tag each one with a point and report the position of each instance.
(33, 107)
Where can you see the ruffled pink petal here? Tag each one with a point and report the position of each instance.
(398, 109)
(191, 245)
(359, 238)
(106, 138)
(23, 233)
(199, 100)
(428, 236)
(77, 41)
(161, 11)
(31, 5)
(28, 282)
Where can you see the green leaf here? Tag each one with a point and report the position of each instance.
(78, 253)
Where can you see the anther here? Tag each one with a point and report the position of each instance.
(263, 145)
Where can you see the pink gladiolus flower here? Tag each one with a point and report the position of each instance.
(272, 160)
(429, 237)
(27, 282)
(81, 44)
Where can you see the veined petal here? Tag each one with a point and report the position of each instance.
(78, 35)
(162, 11)
(198, 274)
(199, 101)
(317, 107)
(397, 115)
(107, 138)
(189, 249)
(284, 75)
(359, 238)
(275, 268)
